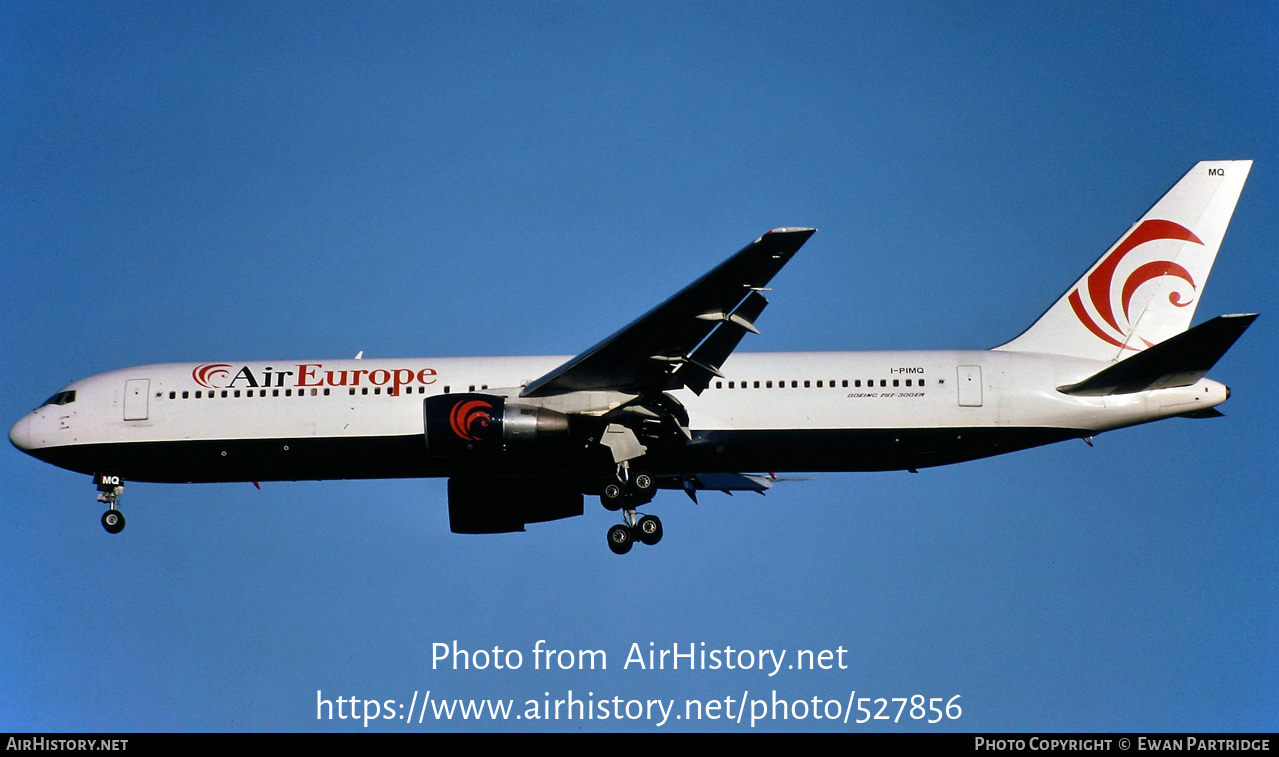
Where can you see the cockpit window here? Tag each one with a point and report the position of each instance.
(61, 398)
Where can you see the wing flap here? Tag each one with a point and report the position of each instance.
(705, 360)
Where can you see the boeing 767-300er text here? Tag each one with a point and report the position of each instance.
(665, 403)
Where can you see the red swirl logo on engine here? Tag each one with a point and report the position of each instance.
(206, 374)
(470, 418)
(1104, 288)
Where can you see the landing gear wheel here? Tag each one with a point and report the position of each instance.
(110, 487)
(642, 483)
(649, 530)
(612, 496)
(113, 521)
(620, 539)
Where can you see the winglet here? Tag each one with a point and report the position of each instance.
(789, 230)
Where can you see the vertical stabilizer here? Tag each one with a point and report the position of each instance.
(1146, 287)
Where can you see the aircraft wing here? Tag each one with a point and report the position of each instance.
(685, 340)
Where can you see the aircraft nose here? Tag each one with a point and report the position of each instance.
(20, 434)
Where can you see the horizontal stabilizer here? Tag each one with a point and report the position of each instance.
(732, 482)
(1210, 412)
(728, 482)
(1179, 361)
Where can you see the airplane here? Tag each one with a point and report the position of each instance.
(666, 403)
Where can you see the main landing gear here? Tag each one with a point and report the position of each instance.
(629, 488)
(110, 487)
(646, 530)
(627, 491)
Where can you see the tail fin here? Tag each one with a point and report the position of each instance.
(1146, 287)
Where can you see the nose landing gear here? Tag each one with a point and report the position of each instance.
(113, 521)
(110, 487)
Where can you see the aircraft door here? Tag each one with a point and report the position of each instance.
(136, 392)
(969, 385)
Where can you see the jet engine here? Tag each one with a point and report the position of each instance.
(479, 424)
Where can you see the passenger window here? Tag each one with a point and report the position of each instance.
(896, 382)
(756, 384)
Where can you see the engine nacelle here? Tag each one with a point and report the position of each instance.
(504, 505)
(477, 424)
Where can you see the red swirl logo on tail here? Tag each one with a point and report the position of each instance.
(470, 418)
(206, 374)
(1102, 285)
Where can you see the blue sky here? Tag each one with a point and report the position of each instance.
(238, 181)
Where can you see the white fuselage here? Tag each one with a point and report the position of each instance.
(130, 418)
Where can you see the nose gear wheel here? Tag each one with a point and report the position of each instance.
(109, 490)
